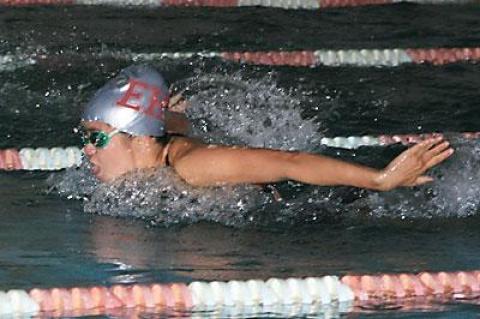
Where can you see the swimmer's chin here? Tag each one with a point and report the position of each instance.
(106, 178)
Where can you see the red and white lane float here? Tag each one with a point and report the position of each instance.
(40, 158)
(290, 297)
(305, 58)
(283, 4)
(363, 57)
(59, 158)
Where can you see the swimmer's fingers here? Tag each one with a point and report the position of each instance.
(408, 168)
(432, 157)
(177, 104)
(431, 152)
(436, 149)
(437, 153)
(439, 157)
(175, 99)
(422, 180)
(426, 145)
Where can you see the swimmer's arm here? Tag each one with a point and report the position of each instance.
(219, 165)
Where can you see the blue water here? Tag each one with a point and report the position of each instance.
(50, 238)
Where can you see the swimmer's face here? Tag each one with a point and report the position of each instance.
(113, 160)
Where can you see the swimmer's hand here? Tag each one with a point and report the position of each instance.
(175, 119)
(177, 103)
(409, 167)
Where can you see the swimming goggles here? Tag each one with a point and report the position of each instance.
(99, 139)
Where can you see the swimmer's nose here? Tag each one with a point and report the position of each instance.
(89, 150)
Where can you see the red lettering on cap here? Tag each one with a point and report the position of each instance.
(131, 94)
(155, 106)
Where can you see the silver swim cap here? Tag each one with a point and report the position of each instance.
(133, 102)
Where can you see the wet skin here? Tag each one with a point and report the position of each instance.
(213, 165)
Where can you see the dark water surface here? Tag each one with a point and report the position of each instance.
(48, 240)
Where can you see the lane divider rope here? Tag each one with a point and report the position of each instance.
(334, 58)
(363, 57)
(40, 158)
(283, 4)
(306, 295)
(59, 158)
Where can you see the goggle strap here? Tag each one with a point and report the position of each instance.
(112, 133)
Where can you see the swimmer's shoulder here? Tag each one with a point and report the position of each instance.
(181, 146)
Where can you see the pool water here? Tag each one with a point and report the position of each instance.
(51, 236)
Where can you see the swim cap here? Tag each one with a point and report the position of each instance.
(133, 102)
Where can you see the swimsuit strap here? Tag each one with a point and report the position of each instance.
(165, 152)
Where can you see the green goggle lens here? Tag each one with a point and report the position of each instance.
(98, 139)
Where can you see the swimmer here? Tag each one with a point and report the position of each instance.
(127, 126)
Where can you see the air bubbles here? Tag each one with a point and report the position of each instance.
(230, 109)
(160, 197)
